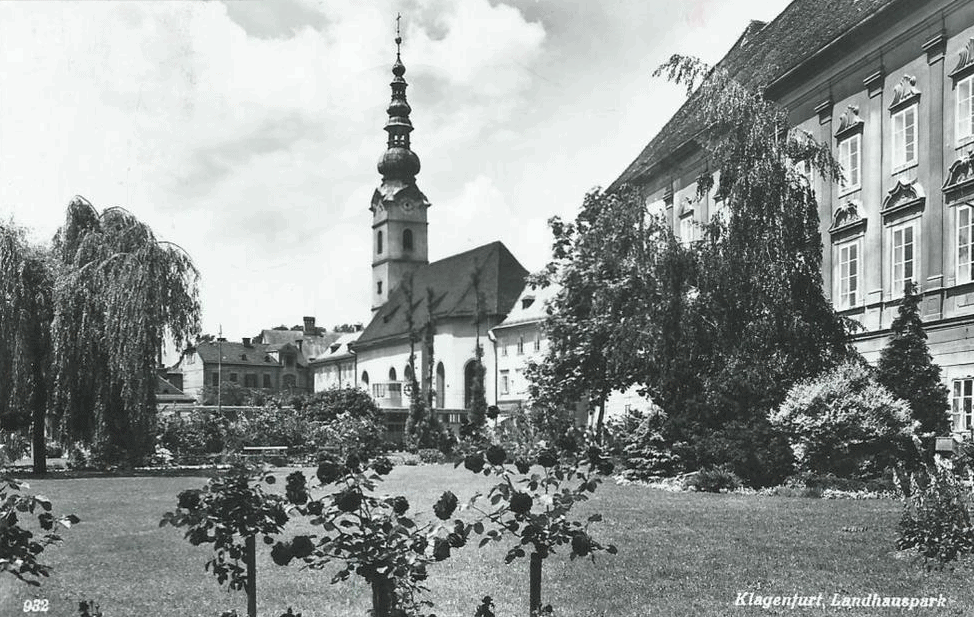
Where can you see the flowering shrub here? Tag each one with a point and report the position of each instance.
(713, 480)
(20, 547)
(843, 422)
(533, 499)
(373, 536)
(936, 520)
(229, 512)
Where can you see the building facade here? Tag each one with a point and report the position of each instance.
(889, 85)
(275, 368)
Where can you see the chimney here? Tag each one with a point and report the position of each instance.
(246, 341)
(309, 325)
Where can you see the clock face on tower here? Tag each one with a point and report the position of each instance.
(407, 205)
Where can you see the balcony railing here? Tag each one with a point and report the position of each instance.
(388, 393)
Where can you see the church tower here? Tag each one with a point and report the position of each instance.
(399, 227)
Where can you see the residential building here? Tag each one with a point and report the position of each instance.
(278, 367)
(889, 86)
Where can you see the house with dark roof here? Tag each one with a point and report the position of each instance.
(889, 85)
(277, 367)
(336, 368)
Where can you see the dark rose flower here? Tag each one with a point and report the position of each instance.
(456, 540)
(521, 503)
(281, 554)
(315, 508)
(400, 505)
(445, 506)
(493, 411)
(496, 455)
(329, 471)
(581, 544)
(297, 488)
(382, 465)
(348, 500)
(441, 549)
(352, 462)
(522, 465)
(419, 573)
(268, 540)
(419, 544)
(301, 547)
(189, 500)
(474, 462)
(548, 458)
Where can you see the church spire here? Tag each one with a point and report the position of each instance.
(398, 162)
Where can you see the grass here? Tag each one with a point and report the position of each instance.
(680, 554)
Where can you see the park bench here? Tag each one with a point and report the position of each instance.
(277, 455)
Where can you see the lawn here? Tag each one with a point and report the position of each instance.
(679, 554)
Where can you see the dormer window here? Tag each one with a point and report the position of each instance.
(527, 301)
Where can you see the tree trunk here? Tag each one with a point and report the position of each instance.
(38, 436)
(251, 558)
(535, 595)
(601, 420)
(382, 597)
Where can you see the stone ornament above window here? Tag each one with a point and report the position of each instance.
(965, 61)
(847, 217)
(905, 93)
(903, 196)
(960, 176)
(686, 206)
(849, 122)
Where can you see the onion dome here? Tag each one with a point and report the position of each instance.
(398, 162)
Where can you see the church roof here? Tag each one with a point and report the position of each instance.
(762, 55)
(502, 278)
(531, 306)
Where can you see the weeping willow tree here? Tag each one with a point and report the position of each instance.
(119, 294)
(26, 311)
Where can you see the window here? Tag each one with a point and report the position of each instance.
(965, 108)
(267, 381)
(516, 384)
(289, 361)
(504, 350)
(233, 378)
(850, 152)
(378, 243)
(453, 418)
(847, 279)
(378, 287)
(537, 342)
(407, 240)
(961, 404)
(392, 373)
(904, 257)
(215, 379)
(905, 137)
(686, 230)
(365, 378)
(505, 382)
(250, 380)
(520, 345)
(965, 243)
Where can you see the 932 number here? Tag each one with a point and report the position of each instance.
(36, 606)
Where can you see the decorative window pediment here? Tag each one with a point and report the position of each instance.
(904, 93)
(903, 196)
(961, 174)
(847, 217)
(849, 122)
(965, 61)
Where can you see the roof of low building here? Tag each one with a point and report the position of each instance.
(531, 306)
(502, 278)
(312, 345)
(761, 55)
(340, 348)
(166, 392)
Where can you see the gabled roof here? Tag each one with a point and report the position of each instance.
(340, 349)
(502, 278)
(257, 354)
(312, 345)
(536, 310)
(761, 56)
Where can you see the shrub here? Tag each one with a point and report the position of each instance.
(53, 450)
(328, 405)
(20, 547)
(13, 446)
(844, 423)
(431, 456)
(646, 452)
(936, 519)
(714, 480)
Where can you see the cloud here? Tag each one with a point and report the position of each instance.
(280, 19)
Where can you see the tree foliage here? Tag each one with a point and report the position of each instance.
(907, 369)
(26, 312)
(120, 293)
(715, 330)
(20, 547)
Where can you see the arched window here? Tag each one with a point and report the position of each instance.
(440, 386)
(365, 379)
(407, 240)
(378, 243)
(407, 373)
(468, 379)
(392, 373)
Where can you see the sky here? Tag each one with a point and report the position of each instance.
(248, 132)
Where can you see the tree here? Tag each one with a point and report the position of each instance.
(907, 369)
(120, 293)
(715, 330)
(26, 312)
(423, 430)
(477, 418)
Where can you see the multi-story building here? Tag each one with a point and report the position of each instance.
(889, 85)
(250, 365)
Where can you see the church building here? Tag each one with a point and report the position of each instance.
(452, 303)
